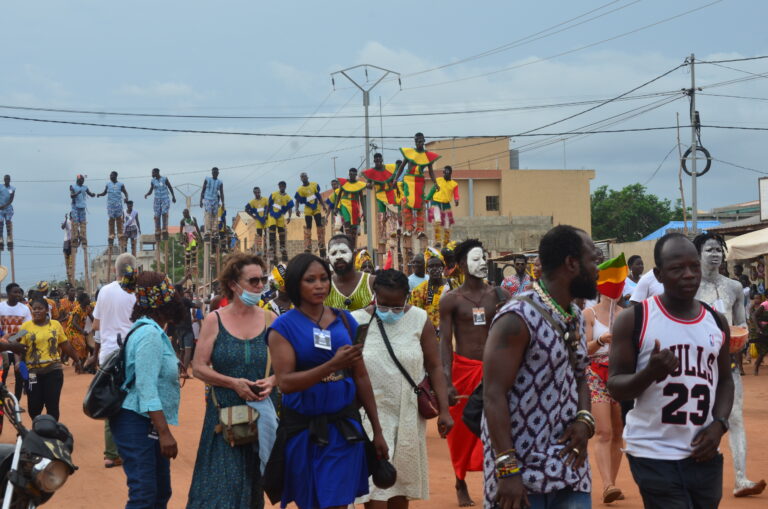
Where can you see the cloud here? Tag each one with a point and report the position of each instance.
(161, 90)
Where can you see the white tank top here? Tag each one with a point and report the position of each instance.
(598, 329)
(669, 414)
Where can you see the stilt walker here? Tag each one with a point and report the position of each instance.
(79, 194)
(411, 172)
(189, 237)
(161, 187)
(257, 209)
(131, 227)
(211, 197)
(382, 178)
(115, 213)
(331, 211)
(7, 194)
(69, 254)
(308, 195)
(279, 205)
(350, 205)
(439, 213)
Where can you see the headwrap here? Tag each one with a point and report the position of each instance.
(42, 286)
(278, 276)
(361, 257)
(451, 246)
(148, 297)
(431, 252)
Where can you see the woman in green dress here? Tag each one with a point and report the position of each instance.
(234, 363)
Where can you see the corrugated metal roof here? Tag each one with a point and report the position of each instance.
(679, 225)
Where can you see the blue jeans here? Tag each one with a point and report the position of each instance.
(682, 484)
(148, 472)
(563, 499)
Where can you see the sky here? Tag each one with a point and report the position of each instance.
(275, 59)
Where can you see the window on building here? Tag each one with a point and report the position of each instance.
(492, 203)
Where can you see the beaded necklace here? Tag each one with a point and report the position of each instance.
(572, 336)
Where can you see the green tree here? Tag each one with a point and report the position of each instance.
(629, 214)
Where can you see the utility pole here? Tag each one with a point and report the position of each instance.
(334, 165)
(694, 211)
(370, 220)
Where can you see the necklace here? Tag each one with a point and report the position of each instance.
(564, 315)
(312, 319)
(477, 304)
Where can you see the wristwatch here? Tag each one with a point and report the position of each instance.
(723, 422)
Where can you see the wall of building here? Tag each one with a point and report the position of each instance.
(644, 248)
(562, 194)
(503, 234)
(469, 153)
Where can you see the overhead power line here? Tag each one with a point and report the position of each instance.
(568, 52)
(761, 57)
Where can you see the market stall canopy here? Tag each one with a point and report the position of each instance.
(749, 245)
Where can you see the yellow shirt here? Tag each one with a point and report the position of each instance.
(448, 191)
(257, 209)
(280, 204)
(42, 343)
(309, 196)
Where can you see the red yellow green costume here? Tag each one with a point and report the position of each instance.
(414, 175)
(383, 185)
(349, 202)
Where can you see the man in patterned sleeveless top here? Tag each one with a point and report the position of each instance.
(670, 354)
(536, 398)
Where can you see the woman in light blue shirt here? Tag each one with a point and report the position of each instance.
(140, 430)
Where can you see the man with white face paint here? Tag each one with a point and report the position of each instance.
(350, 289)
(725, 295)
(465, 315)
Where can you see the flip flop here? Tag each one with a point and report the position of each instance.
(753, 490)
(117, 462)
(611, 494)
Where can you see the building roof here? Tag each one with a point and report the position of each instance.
(745, 225)
(679, 225)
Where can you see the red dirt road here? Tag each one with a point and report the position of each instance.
(94, 486)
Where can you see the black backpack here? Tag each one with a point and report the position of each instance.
(105, 394)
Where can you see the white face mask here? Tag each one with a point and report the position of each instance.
(476, 264)
(711, 253)
(339, 251)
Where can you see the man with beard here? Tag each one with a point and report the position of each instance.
(536, 397)
(350, 289)
(308, 195)
(465, 314)
(726, 296)
(670, 355)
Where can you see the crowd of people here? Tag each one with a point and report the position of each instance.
(315, 368)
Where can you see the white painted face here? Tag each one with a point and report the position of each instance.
(476, 264)
(711, 254)
(339, 251)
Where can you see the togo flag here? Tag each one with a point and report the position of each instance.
(613, 273)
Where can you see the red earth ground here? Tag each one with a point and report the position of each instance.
(94, 486)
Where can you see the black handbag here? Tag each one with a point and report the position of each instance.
(105, 394)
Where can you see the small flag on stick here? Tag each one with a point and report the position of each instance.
(613, 274)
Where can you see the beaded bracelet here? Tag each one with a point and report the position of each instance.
(503, 456)
(508, 469)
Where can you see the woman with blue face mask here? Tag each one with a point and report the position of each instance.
(231, 357)
(414, 342)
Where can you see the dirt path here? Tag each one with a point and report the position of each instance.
(93, 486)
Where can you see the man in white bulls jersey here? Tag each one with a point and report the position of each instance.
(670, 354)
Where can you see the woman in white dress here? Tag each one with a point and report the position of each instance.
(414, 342)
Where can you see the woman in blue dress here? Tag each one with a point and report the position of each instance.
(322, 377)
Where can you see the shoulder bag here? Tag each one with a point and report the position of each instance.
(238, 424)
(425, 396)
(105, 395)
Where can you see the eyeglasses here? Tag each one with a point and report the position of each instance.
(397, 309)
(255, 281)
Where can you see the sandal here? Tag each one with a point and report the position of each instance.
(611, 494)
(109, 463)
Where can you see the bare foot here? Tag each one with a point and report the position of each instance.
(462, 494)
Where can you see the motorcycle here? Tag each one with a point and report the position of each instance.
(40, 462)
